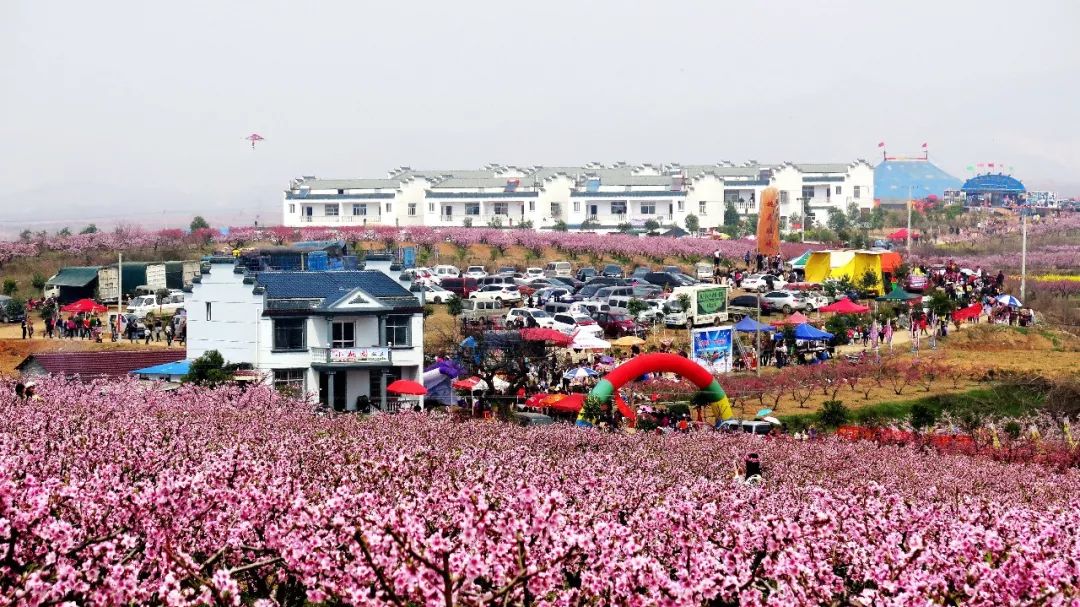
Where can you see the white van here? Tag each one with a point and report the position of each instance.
(444, 271)
(558, 269)
(142, 305)
(621, 302)
(606, 293)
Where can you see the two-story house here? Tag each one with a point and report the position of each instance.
(345, 335)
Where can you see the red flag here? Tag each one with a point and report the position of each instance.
(924, 146)
(881, 144)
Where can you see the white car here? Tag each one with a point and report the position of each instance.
(653, 314)
(534, 273)
(433, 293)
(551, 294)
(757, 282)
(522, 315)
(142, 305)
(815, 300)
(785, 300)
(444, 271)
(475, 272)
(500, 293)
(568, 322)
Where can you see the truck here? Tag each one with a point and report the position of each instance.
(135, 274)
(158, 304)
(181, 274)
(707, 305)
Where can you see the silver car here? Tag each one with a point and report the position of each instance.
(785, 300)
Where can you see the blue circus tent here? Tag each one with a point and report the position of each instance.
(749, 325)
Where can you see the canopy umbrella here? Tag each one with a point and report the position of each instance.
(749, 325)
(898, 294)
(84, 306)
(763, 412)
(972, 311)
(844, 306)
(406, 386)
(797, 318)
(475, 384)
(805, 331)
(902, 234)
(580, 373)
(588, 341)
(568, 403)
(772, 420)
(627, 341)
(1008, 300)
(548, 335)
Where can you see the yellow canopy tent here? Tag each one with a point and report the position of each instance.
(823, 265)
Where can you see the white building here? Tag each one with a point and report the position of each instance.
(598, 196)
(344, 335)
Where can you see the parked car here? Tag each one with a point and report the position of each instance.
(745, 304)
(461, 286)
(748, 426)
(558, 268)
(475, 272)
(704, 271)
(521, 317)
(10, 313)
(916, 283)
(433, 293)
(472, 309)
(565, 281)
(529, 419)
(534, 273)
(551, 294)
(417, 276)
(617, 324)
(672, 270)
(501, 293)
(510, 271)
(640, 272)
(785, 300)
(578, 322)
(646, 291)
(612, 271)
(760, 282)
(445, 271)
(653, 312)
(664, 279)
(166, 305)
(584, 274)
(815, 300)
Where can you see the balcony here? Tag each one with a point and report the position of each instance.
(375, 356)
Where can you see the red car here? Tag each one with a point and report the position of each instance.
(617, 325)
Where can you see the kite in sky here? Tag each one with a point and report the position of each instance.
(253, 138)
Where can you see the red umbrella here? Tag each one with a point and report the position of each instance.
(84, 306)
(844, 306)
(550, 335)
(902, 234)
(406, 386)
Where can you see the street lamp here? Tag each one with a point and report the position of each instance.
(802, 208)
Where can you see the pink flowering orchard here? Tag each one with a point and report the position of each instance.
(113, 493)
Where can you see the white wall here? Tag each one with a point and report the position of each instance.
(235, 311)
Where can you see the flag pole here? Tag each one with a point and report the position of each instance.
(119, 292)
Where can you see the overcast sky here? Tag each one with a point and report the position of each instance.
(138, 110)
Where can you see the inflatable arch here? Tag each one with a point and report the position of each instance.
(709, 388)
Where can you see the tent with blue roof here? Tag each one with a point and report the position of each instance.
(805, 331)
(174, 371)
(749, 325)
(897, 181)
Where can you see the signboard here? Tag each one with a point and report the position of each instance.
(712, 301)
(360, 355)
(408, 257)
(711, 348)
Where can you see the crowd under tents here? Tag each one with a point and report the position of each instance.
(836, 265)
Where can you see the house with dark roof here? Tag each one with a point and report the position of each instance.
(345, 335)
(92, 365)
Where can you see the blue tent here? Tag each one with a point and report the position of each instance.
(468, 342)
(805, 331)
(749, 325)
(173, 370)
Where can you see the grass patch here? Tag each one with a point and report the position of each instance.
(998, 401)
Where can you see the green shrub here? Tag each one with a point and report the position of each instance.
(833, 414)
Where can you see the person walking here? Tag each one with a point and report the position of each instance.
(24, 328)
(888, 335)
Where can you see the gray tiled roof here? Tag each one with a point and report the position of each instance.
(331, 286)
(480, 182)
(637, 180)
(828, 167)
(351, 184)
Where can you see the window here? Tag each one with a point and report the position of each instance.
(577, 206)
(208, 311)
(858, 192)
(532, 205)
(618, 207)
(556, 209)
(292, 209)
(289, 380)
(783, 197)
(331, 210)
(341, 192)
(388, 207)
(731, 196)
(431, 207)
(448, 211)
(681, 204)
(701, 207)
(501, 208)
(375, 383)
(472, 208)
(359, 209)
(289, 334)
(397, 329)
(837, 190)
(808, 192)
(412, 209)
(343, 334)
(648, 208)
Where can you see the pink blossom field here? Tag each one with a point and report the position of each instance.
(115, 494)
